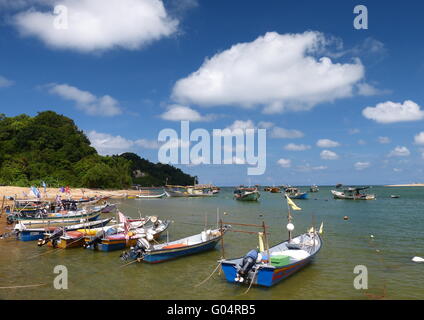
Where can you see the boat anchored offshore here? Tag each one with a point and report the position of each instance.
(188, 191)
(314, 188)
(246, 194)
(268, 266)
(294, 193)
(353, 194)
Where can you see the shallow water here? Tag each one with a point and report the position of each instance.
(397, 226)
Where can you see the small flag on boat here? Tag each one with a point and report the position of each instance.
(292, 204)
(123, 219)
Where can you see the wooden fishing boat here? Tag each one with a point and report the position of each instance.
(24, 233)
(268, 266)
(61, 218)
(353, 194)
(294, 193)
(143, 251)
(246, 194)
(314, 188)
(119, 240)
(275, 190)
(151, 196)
(187, 191)
(287, 258)
(64, 238)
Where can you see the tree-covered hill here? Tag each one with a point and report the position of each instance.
(49, 147)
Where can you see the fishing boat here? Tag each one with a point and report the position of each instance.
(61, 218)
(187, 191)
(143, 251)
(268, 266)
(314, 188)
(113, 240)
(393, 196)
(353, 193)
(246, 194)
(275, 190)
(294, 193)
(64, 238)
(24, 233)
(151, 196)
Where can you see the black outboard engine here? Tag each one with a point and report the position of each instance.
(248, 262)
(53, 238)
(136, 252)
(98, 238)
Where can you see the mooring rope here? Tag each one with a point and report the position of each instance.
(251, 282)
(197, 285)
(27, 286)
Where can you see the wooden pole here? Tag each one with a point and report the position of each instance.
(2, 205)
(221, 229)
(266, 242)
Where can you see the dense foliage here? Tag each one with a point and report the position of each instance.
(49, 147)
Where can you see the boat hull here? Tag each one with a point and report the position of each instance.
(166, 255)
(301, 196)
(254, 196)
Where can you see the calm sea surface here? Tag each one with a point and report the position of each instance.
(396, 224)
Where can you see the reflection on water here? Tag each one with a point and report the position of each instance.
(397, 226)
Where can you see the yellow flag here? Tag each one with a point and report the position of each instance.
(292, 204)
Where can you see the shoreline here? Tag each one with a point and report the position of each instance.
(406, 185)
(10, 191)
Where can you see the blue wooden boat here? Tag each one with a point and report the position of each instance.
(32, 234)
(204, 241)
(294, 193)
(271, 265)
(300, 251)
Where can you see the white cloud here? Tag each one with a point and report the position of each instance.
(4, 82)
(365, 89)
(285, 163)
(383, 140)
(86, 101)
(265, 124)
(279, 72)
(327, 143)
(107, 144)
(419, 138)
(297, 147)
(362, 142)
(328, 155)
(399, 152)
(99, 25)
(354, 131)
(282, 133)
(308, 168)
(390, 112)
(179, 113)
(361, 165)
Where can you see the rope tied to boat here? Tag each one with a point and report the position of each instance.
(251, 282)
(198, 285)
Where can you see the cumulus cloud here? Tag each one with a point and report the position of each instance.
(328, 155)
(281, 133)
(4, 82)
(98, 25)
(399, 151)
(327, 143)
(361, 165)
(297, 147)
(277, 71)
(308, 168)
(383, 140)
(179, 113)
(390, 112)
(265, 124)
(366, 89)
(107, 144)
(419, 138)
(86, 101)
(285, 163)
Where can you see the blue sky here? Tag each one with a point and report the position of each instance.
(133, 76)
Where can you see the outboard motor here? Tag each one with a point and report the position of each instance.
(136, 252)
(99, 236)
(248, 262)
(53, 238)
